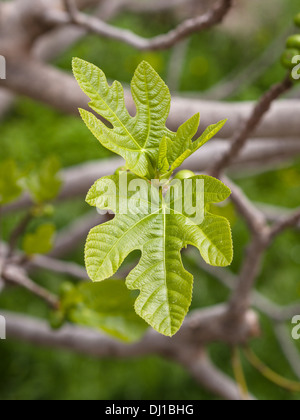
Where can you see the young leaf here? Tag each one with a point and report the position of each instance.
(183, 138)
(181, 150)
(160, 234)
(208, 134)
(107, 306)
(44, 183)
(10, 187)
(137, 139)
(41, 241)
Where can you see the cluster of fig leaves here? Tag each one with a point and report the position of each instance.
(151, 151)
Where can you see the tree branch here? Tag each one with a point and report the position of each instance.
(213, 379)
(57, 266)
(157, 6)
(261, 108)
(241, 298)
(161, 42)
(93, 343)
(17, 276)
(285, 223)
(58, 89)
(275, 214)
(258, 155)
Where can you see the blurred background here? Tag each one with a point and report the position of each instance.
(236, 61)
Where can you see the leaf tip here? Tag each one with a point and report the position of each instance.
(76, 63)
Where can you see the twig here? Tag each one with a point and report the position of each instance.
(273, 213)
(161, 42)
(259, 111)
(285, 223)
(157, 6)
(60, 90)
(238, 81)
(17, 276)
(45, 263)
(57, 266)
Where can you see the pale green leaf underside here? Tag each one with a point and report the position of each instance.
(138, 139)
(165, 286)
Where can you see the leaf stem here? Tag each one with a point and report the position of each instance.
(270, 374)
(239, 374)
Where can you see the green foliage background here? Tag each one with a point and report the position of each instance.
(32, 132)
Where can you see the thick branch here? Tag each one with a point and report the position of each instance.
(198, 329)
(285, 223)
(275, 214)
(93, 343)
(57, 266)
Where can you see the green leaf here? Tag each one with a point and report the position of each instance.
(208, 134)
(150, 217)
(183, 138)
(165, 286)
(41, 241)
(182, 150)
(137, 139)
(10, 186)
(44, 183)
(107, 306)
